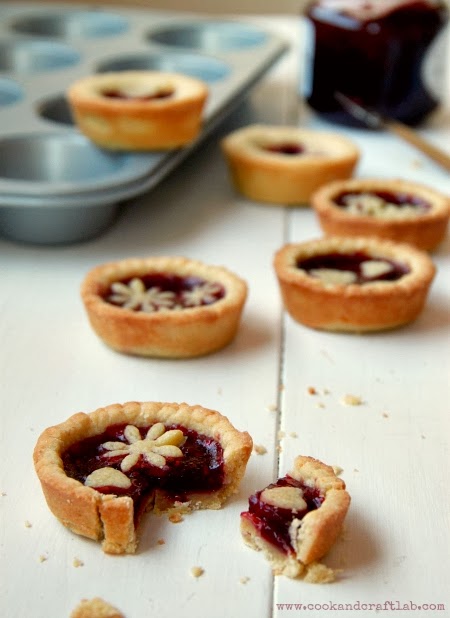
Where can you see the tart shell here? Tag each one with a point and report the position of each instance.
(286, 180)
(193, 331)
(319, 528)
(424, 230)
(110, 518)
(134, 124)
(373, 306)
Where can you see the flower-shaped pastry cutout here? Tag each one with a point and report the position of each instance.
(134, 295)
(158, 444)
(203, 294)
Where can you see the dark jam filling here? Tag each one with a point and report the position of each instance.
(201, 469)
(353, 262)
(273, 522)
(287, 149)
(397, 199)
(165, 282)
(116, 93)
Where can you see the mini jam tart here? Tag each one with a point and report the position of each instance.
(95, 608)
(297, 519)
(398, 210)
(353, 284)
(101, 471)
(138, 110)
(164, 306)
(284, 165)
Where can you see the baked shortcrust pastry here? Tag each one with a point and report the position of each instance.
(101, 471)
(138, 110)
(296, 520)
(164, 306)
(95, 608)
(353, 284)
(398, 210)
(284, 165)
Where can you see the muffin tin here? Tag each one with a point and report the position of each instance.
(55, 185)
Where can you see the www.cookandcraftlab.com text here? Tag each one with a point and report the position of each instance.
(360, 606)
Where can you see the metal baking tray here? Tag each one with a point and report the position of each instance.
(55, 185)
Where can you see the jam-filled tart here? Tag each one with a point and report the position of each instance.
(296, 520)
(398, 210)
(283, 165)
(101, 471)
(353, 283)
(138, 110)
(170, 307)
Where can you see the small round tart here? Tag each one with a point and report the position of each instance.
(284, 165)
(398, 210)
(101, 471)
(297, 519)
(353, 284)
(169, 307)
(138, 110)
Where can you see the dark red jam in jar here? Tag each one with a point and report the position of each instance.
(387, 55)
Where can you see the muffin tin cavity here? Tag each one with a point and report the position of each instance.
(207, 69)
(10, 92)
(73, 24)
(32, 56)
(55, 185)
(210, 37)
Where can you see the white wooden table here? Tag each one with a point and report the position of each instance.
(393, 448)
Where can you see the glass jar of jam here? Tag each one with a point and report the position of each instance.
(387, 55)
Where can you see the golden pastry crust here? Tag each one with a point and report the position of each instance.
(351, 307)
(171, 119)
(272, 177)
(424, 229)
(315, 533)
(192, 331)
(111, 518)
(95, 608)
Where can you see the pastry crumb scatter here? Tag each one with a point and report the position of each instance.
(28, 524)
(259, 449)
(77, 563)
(318, 573)
(197, 571)
(3, 493)
(293, 434)
(244, 580)
(312, 390)
(272, 407)
(351, 400)
(320, 405)
(175, 518)
(385, 415)
(337, 470)
(160, 542)
(95, 608)
(43, 557)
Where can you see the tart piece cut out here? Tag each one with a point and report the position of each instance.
(353, 284)
(101, 471)
(296, 520)
(285, 165)
(164, 306)
(397, 210)
(138, 110)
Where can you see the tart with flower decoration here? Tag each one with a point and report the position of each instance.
(398, 210)
(138, 110)
(170, 307)
(296, 520)
(101, 471)
(285, 165)
(353, 284)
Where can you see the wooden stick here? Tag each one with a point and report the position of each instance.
(411, 136)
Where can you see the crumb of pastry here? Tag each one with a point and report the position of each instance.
(28, 524)
(272, 407)
(355, 470)
(312, 390)
(197, 571)
(43, 557)
(219, 391)
(259, 449)
(318, 573)
(385, 415)
(293, 434)
(281, 435)
(279, 448)
(320, 405)
(351, 400)
(160, 542)
(175, 518)
(95, 608)
(77, 563)
(337, 470)
(3, 493)
(244, 580)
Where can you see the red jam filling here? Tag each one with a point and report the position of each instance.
(273, 522)
(353, 262)
(116, 93)
(200, 469)
(397, 199)
(170, 291)
(287, 149)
